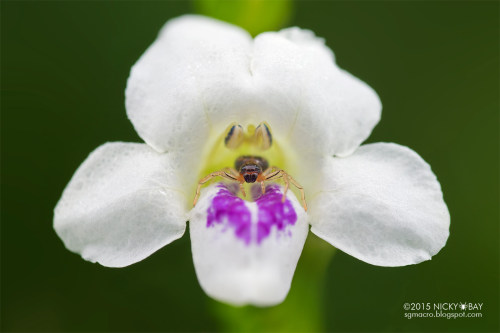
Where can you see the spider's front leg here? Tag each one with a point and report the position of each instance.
(301, 189)
(277, 173)
(226, 173)
(236, 177)
(265, 176)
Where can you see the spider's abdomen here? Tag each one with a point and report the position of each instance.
(251, 160)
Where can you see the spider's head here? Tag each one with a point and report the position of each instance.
(250, 172)
(250, 167)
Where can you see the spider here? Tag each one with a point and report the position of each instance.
(251, 169)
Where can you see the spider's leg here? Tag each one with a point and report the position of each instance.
(268, 171)
(287, 184)
(232, 172)
(205, 179)
(263, 177)
(287, 178)
(235, 175)
(276, 174)
(301, 189)
(242, 189)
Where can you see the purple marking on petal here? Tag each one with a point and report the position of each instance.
(231, 211)
(273, 212)
(226, 207)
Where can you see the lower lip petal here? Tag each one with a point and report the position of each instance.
(270, 213)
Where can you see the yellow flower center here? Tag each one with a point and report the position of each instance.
(218, 156)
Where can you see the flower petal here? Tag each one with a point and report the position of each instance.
(192, 58)
(246, 252)
(324, 108)
(121, 205)
(382, 205)
(201, 74)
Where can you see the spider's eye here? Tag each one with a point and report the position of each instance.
(234, 137)
(263, 137)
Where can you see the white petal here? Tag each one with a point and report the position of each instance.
(194, 58)
(324, 108)
(121, 205)
(236, 265)
(382, 205)
(201, 74)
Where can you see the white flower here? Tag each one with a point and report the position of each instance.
(380, 202)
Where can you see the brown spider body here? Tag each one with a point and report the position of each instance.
(251, 169)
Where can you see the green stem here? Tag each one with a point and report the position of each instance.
(302, 310)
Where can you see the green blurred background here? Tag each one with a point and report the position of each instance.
(64, 67)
